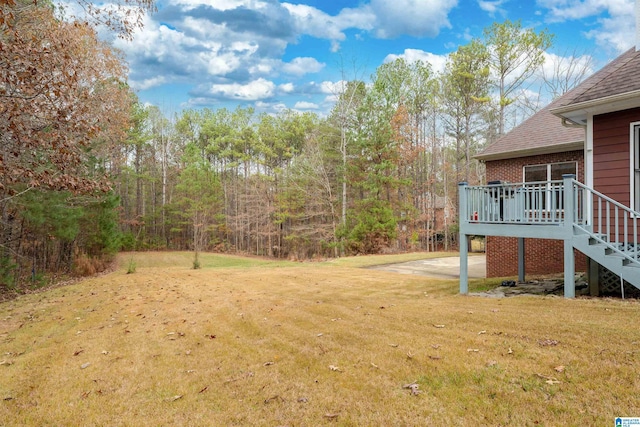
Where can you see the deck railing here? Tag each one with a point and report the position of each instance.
(523, 203)
(613, 224)
(543, 203)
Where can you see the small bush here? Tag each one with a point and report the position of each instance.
(85, 265)
(131, 268)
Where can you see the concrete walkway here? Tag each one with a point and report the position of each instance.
(441, 268)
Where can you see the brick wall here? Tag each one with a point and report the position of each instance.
(542, 256)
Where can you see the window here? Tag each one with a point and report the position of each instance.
(543, 194)
(549, 172)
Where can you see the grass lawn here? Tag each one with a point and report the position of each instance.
(249, 342)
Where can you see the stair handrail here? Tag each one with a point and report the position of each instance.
(627, 214)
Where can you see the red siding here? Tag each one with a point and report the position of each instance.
(541, 256)
(611, 160)
(611, 156)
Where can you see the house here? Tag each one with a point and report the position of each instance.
(542, 148)
(565, 185)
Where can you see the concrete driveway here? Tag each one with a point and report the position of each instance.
(441, 268)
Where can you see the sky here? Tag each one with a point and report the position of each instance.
(275, 55)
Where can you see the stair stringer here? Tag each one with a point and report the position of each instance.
(588, 244)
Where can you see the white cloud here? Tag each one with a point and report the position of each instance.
(333, 88)
(286, 88)
(303, 105)
(385, 19)
(491, 6)
(437, 62)
(617, 26)
(252, 91)
(301, 66)
(315, 22)
(147, 83)
(418, 18)
(563, 10)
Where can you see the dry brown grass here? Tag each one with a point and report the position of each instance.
(248, 342)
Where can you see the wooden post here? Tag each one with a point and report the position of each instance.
(463, 239)
(521, 264)
(593, 275)
(569, 219)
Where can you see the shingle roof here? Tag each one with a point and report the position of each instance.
(544, 132)
(620, 76)
(539, 134)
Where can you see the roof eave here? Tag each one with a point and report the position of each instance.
(548, 149)
(579, 112)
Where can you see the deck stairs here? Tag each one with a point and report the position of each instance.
(612, 238)
(620, 260)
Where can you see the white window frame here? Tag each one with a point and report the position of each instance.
(547, 201)
(634, 165)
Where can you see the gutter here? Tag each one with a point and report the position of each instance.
(606, 101)
(549, 149)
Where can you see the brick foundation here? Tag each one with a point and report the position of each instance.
(542, 256)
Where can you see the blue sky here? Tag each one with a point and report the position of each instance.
(275, 55)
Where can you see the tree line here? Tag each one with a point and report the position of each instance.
(87, 170)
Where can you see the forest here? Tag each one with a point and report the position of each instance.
(86, 170)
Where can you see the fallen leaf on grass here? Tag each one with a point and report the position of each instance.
(438, 326)
(435, 357)
(303, 400)
(393, 345)
(473, 350)
(85, 365)
(6, 363)
(373, 365)
(510, 351)
(176, 397)
(331, 416)
(409, 355)
(273, 398)
(413, 387)
(204, 389)
(77, 352)
(482, 332)
(549, 380)
(335, 368)
(559, 368)
(268, 363)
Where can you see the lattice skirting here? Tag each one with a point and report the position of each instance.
(610, 285)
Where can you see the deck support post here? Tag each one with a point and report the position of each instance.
(569, 219)
(521, 265)
(569, 270)
(463, 238)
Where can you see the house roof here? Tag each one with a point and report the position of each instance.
(542, 133)
(615, 87)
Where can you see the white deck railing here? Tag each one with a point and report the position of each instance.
(613, 224)
(523, 203)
